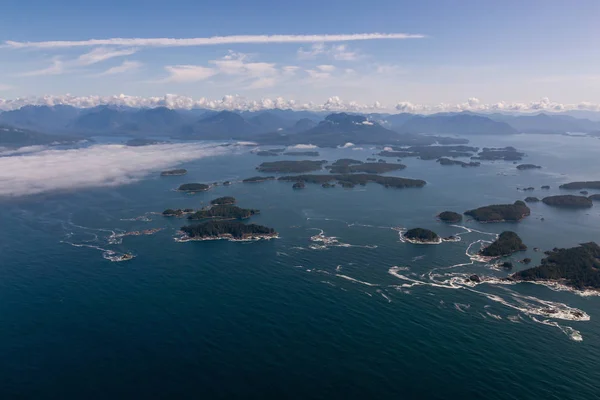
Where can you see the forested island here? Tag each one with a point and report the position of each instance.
(578, 267)
(174, 172)
(508, 242)
(500, 212)
(447, 161)
(231, 230)
(302, 153)
(369, 168)
(450, 217)
(522, 167)
(568, 201)
(429, 152)
(344, 162)
(291, 166)
(224, 211)
(421, 236)
(531, 199)
(357, 179)
(193, 187)
(256, 179)
(298, 185)
(169, 212)
(508, 153)
(581, 185)
(226, 200)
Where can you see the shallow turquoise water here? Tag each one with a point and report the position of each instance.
(279, 318)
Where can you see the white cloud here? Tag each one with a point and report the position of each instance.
(126, 66)
(326, 68)
(94, 56)
(333, 103)
(337, 52)
(303, 146)
(188, 73)
(99, 165)
(215, 40)
(389, 69)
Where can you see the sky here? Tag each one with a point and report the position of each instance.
(390, 54)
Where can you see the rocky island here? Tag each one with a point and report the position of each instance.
(522, 167)
(229, 230)
(500, 212)
(450, 217)
(577, 267)
(507, 243)
(193, 187)
(421, 236)
(291, 166)
(568, 201)
(174, 172)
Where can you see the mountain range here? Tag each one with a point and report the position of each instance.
(279, 126)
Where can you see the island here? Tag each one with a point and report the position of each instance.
(226, 200)
(266, 153)
(581, 185)
(584, 192)
(344, 162)
(229, 230)
(450, 217)
(169, 212)
(421, 236)
(328, 185)
(193, 187)
(371, 159)
(302, 153)
(447, 161)
(291, 166)
(568, 201)
(594, 197)
(531, 199)
(174, 172)
(577, 267)
(429, 152)
(508, 153)
(224, 211)
(368, 168)
(522, 167)
(256, 179)
(357, 179)
(500, 212)
(545, 187)
(298, 185)
(226, 183)
(507, 243)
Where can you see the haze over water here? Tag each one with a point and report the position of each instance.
(285, 317)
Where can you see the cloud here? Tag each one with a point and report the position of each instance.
(5, 87)
(188, 73)
(337, 52)
(303, 146)
(94, 56)
(211, 41)
(326, 68)
(334, 103)
(126, 66)
(99, 165)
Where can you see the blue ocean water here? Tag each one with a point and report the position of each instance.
(370, 317)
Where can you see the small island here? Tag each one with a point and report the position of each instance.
(257, 179)
(577, 267)
(193, 187)
(344, 162)
(369, 168)
(581, 185)
(450, 217)
(169, 212)
(228, 230)
(226, 200)
(328, 185)
(447, 161)
(291, 166)
(500, 212)
(546, 187)
(226, 183)
(507, 243)
(174, 172)
(522, 167)
(508, 153)
(298, 185)
(568, 201)
(224, 211)
(531, 199)
(421, 236)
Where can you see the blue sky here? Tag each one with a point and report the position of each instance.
(511, 51)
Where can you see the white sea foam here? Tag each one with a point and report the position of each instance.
(355, 280)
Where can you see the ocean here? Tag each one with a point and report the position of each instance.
(362, 315)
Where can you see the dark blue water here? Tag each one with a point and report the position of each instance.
(283, 318)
